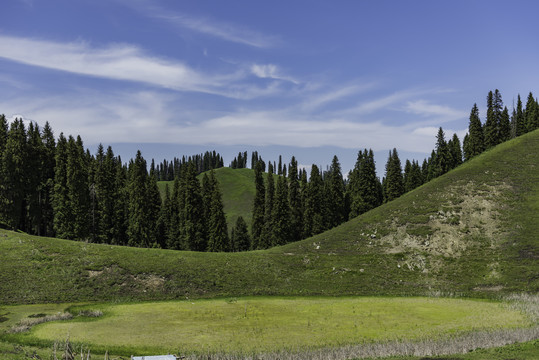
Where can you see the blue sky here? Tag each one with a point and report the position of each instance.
(304, 78)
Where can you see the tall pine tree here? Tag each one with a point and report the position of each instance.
(394, 183)
(258, 206)
(217, 229)
(294, 200)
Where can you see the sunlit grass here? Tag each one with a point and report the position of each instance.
(273, 324)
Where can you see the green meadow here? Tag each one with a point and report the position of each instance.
(269, 324)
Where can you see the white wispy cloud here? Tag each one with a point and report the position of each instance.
(373, 105)
(441, 113)
(209, 26)
(225, 31)
(129, 63)
(270, 71)
(327, 96)
(116, 61)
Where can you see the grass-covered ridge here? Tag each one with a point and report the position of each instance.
(472, 231)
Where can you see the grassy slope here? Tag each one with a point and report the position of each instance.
(238, 189)
(472, 232)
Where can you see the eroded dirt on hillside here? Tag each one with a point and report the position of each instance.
(468, 217)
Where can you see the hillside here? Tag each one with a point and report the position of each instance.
(472, 232)
(238, 190)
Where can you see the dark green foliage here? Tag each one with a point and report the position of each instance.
(265, 239)
(413, 176)
(336, 212)
(280, 230)
(255, 158)
(47, 186)
(443, 156)
(106, 192)
(78, 188)
(394, 182)
(531, 114)
(153, 210)
(191, 211)
(207, 189)
(314, 221)
(138, 230)
(168, 170)
(519, 119)
(455, 151)
(294, 200)
(239, 162)
(35, 180)
(14, 176)
(174, 220)
(504, 126)
(240, 240)
(493, 126)
(217, 229)
(258, 206)
(475, 143)
(121, 205)
(60, 200)
(363, 187)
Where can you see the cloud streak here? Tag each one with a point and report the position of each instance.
(127, 63)
(224, 31)
(204, 25)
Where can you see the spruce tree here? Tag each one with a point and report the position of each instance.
(294, 200)
(138, 231)
(60, 201)
(414, 177)
(443, 155)
(207, 193)
(363, 185)
(78, 188)
(504, 126)
(313, 218)
(241, 240)
(476, 142)
(335, 199)
(153, 210)
(107, 193)
(163, 224)
(394, 185)
(217, 229)
(14, 176)
(520, 121)
(280, 230)
(48, 158)
(265, 239)
(258, 206)
(35, 190)
(175, 229)
(491, 124)
(191, 214)
(531, 114)
(455, 151)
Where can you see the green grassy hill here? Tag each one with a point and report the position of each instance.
(238, 189)
(471, 232)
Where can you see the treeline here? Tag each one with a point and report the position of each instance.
(498, 126)
(52, 187)
(294, 207)
(57, 188)
(168, 170)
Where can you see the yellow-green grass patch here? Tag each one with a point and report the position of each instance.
(273, 324)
